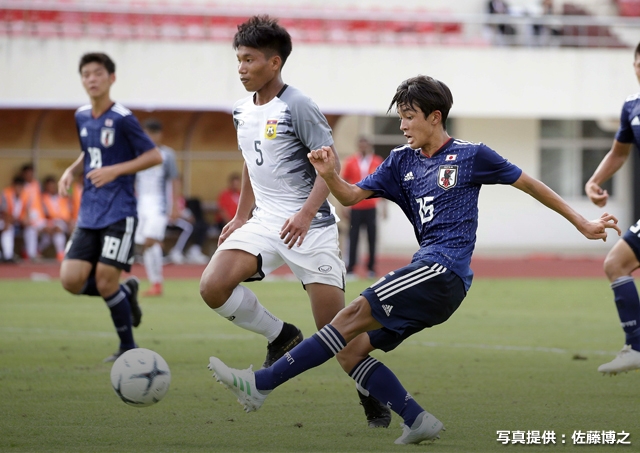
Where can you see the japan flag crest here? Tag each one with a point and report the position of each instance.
(107, 136)
(447, 176)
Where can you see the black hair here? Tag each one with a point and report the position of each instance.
(265, 34)
(26, 167)
(152, 125)
(18, 180)
(426, 93)
(48, 179)
(637, 52)
(100, 58)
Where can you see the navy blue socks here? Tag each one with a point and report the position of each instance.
(628, 304)
(386, 388)
(118, 303)
(312, 352)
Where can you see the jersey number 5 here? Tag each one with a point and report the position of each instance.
(96, 157)
(426, 210)
(256, 145)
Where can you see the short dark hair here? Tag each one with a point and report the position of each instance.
(100, 58)
(48, 179)
(637, 52)
(152, 125)
(26, 167)
(264, 33)
(426, 93)
(18, 181)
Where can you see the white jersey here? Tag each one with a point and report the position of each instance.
(274, 139)
(152, 184)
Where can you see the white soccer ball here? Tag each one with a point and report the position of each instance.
(140, 377)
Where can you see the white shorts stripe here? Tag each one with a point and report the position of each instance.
(406, 286)
(404, 277)
(419, 273)
(125, 245)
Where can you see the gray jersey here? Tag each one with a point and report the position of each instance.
(153, 184)
(274, 139)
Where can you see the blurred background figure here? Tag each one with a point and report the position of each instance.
(364, 214)
(57, 216)
(155, 189)
(193, 229)
(228, 200)
(19, 215)
(503, 33)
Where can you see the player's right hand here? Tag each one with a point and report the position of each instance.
(596, 194)
(64, 184)
(229, 228)
(323, 160)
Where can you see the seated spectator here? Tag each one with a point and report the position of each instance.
(19, 214)
(228, 199)
(57, 215)
(193, 228)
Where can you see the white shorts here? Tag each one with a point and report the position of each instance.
(151, 224)
(317, 260)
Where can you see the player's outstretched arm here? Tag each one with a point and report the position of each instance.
(610, 164)
(595, 229)
(64, 184)
(296, 227)
(104, 175)
(324, 161)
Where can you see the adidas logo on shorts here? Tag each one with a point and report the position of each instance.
(387, 309)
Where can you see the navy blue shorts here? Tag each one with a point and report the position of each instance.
(112, 245)
(408, 300)
(632, 237)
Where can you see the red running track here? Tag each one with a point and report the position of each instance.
(547, 266)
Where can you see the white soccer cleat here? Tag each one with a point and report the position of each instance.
(627, 360)
(240, 382)
(426, 427)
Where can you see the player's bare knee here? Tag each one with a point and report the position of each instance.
(71, 284)
(213, 291)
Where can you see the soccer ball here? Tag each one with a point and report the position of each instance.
(140, 377)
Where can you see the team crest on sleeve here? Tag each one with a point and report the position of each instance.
(107, 136)
(271, 129)
(448, 176)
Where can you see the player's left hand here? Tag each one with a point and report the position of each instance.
(102, 176)
(295, 229)
(597, 229)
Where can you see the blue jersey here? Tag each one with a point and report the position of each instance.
(439, 195)
(629, 131)
(112, 138)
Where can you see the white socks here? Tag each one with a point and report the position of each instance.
(152, 257)
(244, 310)
(7, 237)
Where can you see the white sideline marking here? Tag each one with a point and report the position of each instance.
(218, 336)
(496, 347)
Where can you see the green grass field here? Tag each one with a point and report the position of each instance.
(518, 355)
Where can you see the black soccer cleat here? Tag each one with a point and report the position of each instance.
(378, 415)
(289, 337)
(132, 284)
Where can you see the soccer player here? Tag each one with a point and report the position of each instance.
(436, 180)
(114, 148)
(292, 223)
(156, 188)
(624, 257)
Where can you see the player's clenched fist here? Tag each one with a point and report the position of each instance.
(322, 159)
